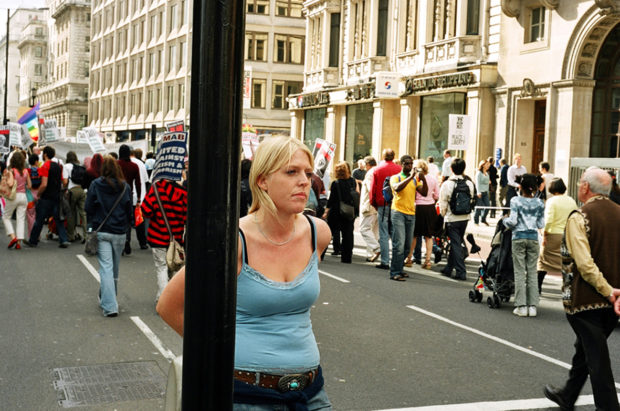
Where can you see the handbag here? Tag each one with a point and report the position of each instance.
(91, 243)
(138, 217)
(347, 211)
(8, 190)
(175, 255)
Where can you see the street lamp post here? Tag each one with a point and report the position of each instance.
(6, 62)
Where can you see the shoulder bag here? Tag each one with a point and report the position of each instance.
(347, 211)
(8, 189)
(91, 243)
(175, 256)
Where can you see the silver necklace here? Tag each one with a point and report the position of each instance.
(260, 230)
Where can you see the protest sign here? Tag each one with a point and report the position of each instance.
(26, 138)
(15, 134)
(94, 140)
(323, 153)
(249, 142)
(170, 160)
(247, 87)
(82, 137)
(50, 131)
(175, 126)
(458, 131)
(4, 140)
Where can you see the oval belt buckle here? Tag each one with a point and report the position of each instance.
(292, 382)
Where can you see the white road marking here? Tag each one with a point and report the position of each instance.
(496, 339)
(531, 404)
(89, 267)
(342, 280)
(153, 338)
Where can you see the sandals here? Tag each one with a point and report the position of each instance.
(408, 262)
(398, 278)
(427, 264)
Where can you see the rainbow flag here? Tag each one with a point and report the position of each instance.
(31, 121)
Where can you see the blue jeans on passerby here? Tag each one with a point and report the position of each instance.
(316, 403)
(109, 257)
(456, 258)
(47, 208)
(402, 235)
(483, 202)
(384, 234)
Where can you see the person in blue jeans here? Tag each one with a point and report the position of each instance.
(103, 194)
(482, 188)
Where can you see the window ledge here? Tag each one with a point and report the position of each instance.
(535, 46)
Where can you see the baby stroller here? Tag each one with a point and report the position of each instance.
(497, 274)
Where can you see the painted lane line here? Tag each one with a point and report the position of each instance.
(342, 280)
(153, 338)
(492, 337)
(531, 404)
(89, 267)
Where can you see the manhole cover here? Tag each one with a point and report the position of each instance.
(104, 383)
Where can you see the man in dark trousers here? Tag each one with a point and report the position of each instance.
(591, 272)
(131, 172)
(492, 185)
(49, 199)
(386, 169)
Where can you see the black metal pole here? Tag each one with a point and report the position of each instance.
(6, 62)
(213, 204)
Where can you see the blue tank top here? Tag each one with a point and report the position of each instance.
(274, 331)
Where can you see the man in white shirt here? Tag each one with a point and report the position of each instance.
(369, 226)
(432, 167)
(516, 169)
(136, 158)
(446, 170)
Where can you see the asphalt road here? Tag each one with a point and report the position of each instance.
(419, 344)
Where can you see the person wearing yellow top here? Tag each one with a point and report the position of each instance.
(404, 186)
(557, 209)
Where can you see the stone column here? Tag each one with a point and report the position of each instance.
(377, 129)
(404, 141)
(295, 132)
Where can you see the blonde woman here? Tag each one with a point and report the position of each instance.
(277, 283)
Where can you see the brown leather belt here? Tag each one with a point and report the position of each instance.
(283, 383)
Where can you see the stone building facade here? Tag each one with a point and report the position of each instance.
(33, 58)
(65, 97)
(440, 56)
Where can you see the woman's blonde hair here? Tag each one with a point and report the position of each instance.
(342, 171)
(481, 164)
(422, 165)
(271, 155)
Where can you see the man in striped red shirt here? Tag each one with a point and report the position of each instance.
(174, 202)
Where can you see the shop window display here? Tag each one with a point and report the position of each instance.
(434, 123)
(358, 141)
(314, 120)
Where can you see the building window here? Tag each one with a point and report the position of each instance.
(382, 28)
(181, 102)
(314, 120)
(256, 46)
(151, 64)
(411, 23)
(473, 17)
(289, 8)
(173, 17)
(536, 30)
(38, 32)
(182, 55)
(358, 140)
(444, 19)
(436, 110)
(259, 91)
(149, 101)
(170, 98)
(172, 57)
(153, 28)
(157, 100)
(334, 40)
(38, 69)
(83, 121)
(360, 29)
(258, 6)
(38, 51)
(288, 49)
(281, 90)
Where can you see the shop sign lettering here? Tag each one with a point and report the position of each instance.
(451, 80)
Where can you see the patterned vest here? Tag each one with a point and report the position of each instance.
(602, 222)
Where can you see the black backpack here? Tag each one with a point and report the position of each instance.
(461, 200)
(78, 174)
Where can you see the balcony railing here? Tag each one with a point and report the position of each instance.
(454, 51)
(317, 79)
(363, 69)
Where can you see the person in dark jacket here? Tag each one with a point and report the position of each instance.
(493, 176)
(340, 190)
(93, 171)
(102, 195)
(131, 173)
(173, 199)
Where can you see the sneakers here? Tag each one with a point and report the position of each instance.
(64, 244)
(521, 311)
(531, 311)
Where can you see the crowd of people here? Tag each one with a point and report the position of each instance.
(106, 196)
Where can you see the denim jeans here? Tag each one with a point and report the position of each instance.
(456, 258)
(384, 234)
(319, 402)
(47, 208)
(161, 269)
(524, 259)
(484, 202)
(109, 257)
(402, 235)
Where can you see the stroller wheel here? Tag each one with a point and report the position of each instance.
(478, 296)
(498, 303)
(472, 296)
(506, 298)
(490, 302)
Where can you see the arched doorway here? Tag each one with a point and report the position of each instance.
(605, 134)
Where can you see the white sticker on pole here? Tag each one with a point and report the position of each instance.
(458, 131)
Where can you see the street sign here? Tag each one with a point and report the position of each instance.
(458, 131)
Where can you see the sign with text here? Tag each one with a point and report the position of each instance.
(94, 140)
(4, 140)
(82, 137)
(15, 134)
(386, 85)
(323, 154)
(249, 142)
(458, 131)
(247, 87)
(50, 131)
(26, 137)
(170, 160)
(175, 126)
